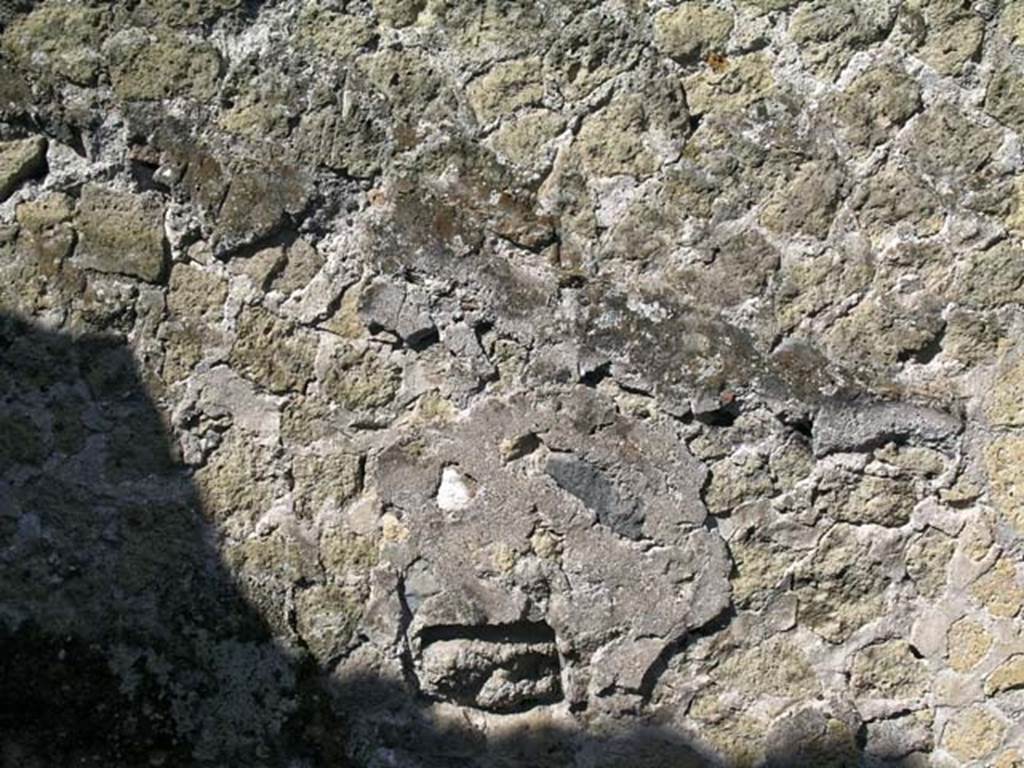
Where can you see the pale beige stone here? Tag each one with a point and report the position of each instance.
(733, 86)
(889, 670)
(1000, 590)
(1004, 401)
(392, 529)
(1011, 758)
(272, 351)
(776, 667)
(692, 30)
(399, 13)
(234, 485)
(976, 538)
(1011, 22)
(325, 481)
(974, 733)
(842, 586)
(1004, 461)
(927, 562)
(1015, 219)
(760, 567)
(509, 86)
(545, 544)
(527, 141)
(611, 142)
(194, 293)
(736, 736)
(954, 34)
(1007, 676)
(735, 479)
(332, 33)
(967, 643)
(165, 66)
(503, 557)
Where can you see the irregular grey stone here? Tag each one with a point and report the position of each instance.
(660, 594)
(256, 204)
(400, 309)
(499, 668)
(857, 426)
(898, 737)
(587, 483)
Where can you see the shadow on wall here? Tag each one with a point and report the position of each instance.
(124, 640)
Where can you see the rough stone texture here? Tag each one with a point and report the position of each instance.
(1007, 677)
(693, 30)
(974, 734)
(416, 383)
(120, 233)
(967, 644)
(19, 160)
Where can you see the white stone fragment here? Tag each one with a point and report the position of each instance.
(454, 492)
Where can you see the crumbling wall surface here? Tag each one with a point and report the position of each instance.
(434, 383)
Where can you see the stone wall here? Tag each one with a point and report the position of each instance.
(435, 383)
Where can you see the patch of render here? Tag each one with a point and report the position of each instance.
(570, 381)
